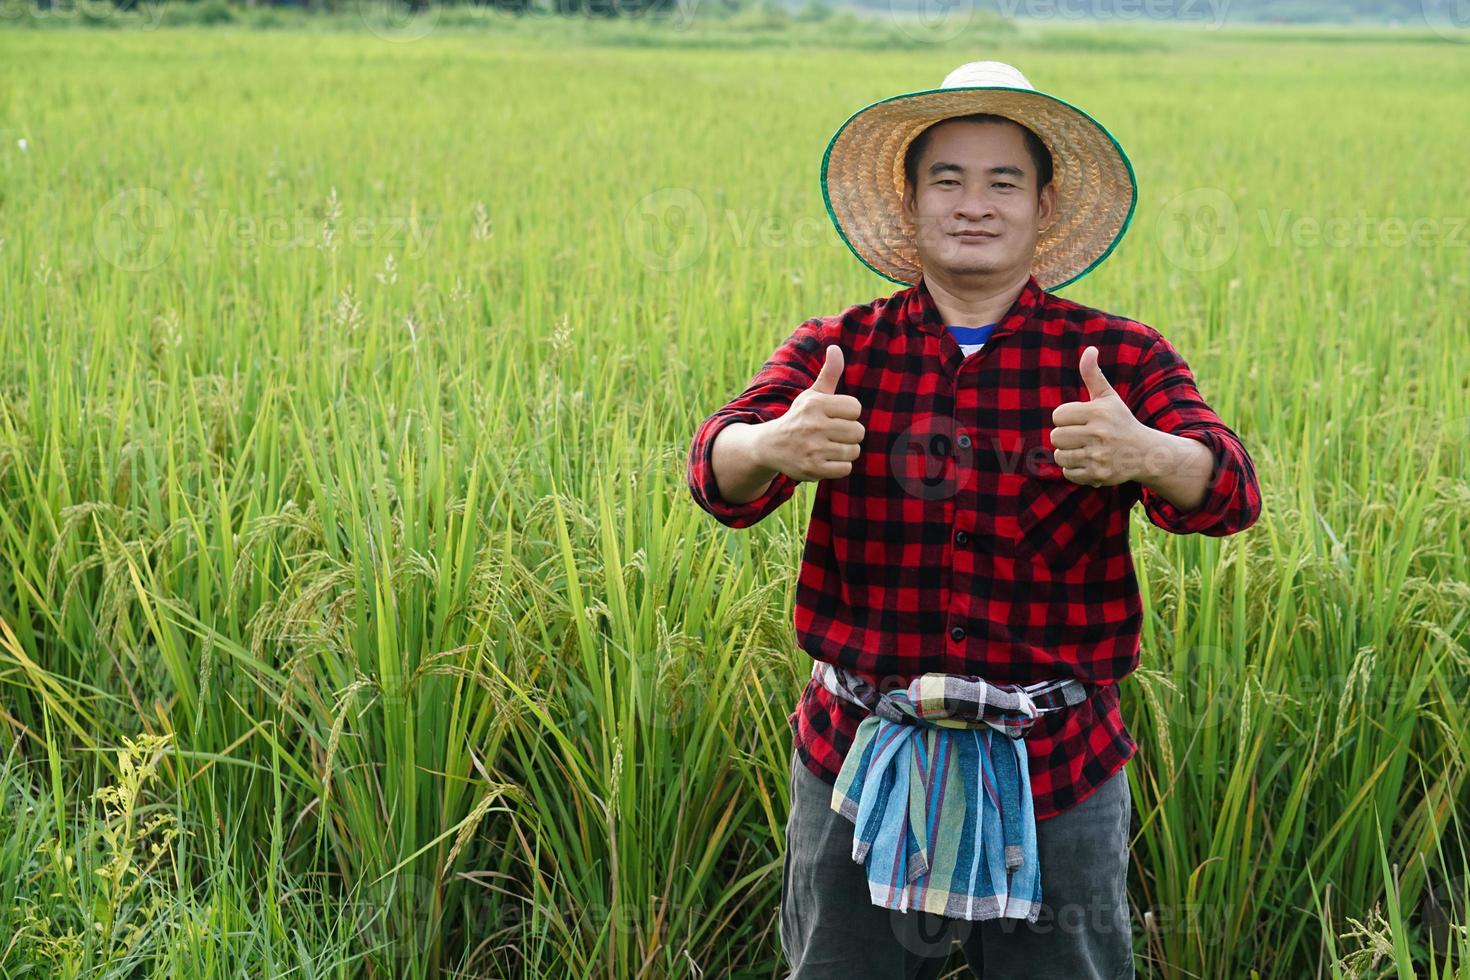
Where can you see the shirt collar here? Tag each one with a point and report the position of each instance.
(920, 311)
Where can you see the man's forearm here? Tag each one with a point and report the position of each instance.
(1177, 469)
(738, 470)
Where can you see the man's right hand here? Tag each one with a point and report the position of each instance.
(818, 436)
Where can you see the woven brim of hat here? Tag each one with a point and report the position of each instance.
(863, 179)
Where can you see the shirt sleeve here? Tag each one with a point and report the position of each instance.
(1166, 398)
(786, 374)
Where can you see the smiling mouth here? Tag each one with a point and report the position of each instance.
(974, 237)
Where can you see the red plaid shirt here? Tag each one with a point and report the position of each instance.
(956, 545)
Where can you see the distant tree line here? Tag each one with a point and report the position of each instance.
(606, 8)
(1282, 11)
(602, 8)
(1293, 11)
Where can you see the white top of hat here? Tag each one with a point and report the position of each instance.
(986, 73)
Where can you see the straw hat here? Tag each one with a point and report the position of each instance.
(863, 179)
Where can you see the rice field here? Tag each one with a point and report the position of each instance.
(356, 620)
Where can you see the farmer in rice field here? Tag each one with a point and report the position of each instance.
(966, 592)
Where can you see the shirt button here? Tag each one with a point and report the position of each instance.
(960, 537)
(964, 441)
(957, 633)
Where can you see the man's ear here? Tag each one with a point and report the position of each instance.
(1046, 207)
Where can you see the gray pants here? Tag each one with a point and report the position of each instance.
(830, 930)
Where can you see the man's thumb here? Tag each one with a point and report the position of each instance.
(827, 380)
(1092, 376)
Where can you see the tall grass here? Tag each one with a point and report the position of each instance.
(345, 388)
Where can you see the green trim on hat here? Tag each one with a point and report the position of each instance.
(1127, 164)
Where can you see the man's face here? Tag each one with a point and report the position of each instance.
(978, 178)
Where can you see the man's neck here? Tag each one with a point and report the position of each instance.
(971, 303)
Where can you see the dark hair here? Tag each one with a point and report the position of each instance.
(1040, 155)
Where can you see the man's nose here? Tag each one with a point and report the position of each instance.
(974, 204)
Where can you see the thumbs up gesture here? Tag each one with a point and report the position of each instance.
(818, 436)
(1098, 442)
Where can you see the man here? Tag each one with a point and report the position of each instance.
(977, 444)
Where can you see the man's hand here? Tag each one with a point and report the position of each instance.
(1099, 442)
(818, 436)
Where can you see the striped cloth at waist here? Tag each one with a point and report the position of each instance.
(941, 806)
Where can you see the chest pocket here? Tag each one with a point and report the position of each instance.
(1060, 523)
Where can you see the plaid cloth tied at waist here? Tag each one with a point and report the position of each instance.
(941, 808)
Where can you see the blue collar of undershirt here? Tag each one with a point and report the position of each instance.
(972, 335)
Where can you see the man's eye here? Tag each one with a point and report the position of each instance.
(1001, 183)
(949, 182)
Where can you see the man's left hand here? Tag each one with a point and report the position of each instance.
(1099, 442)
